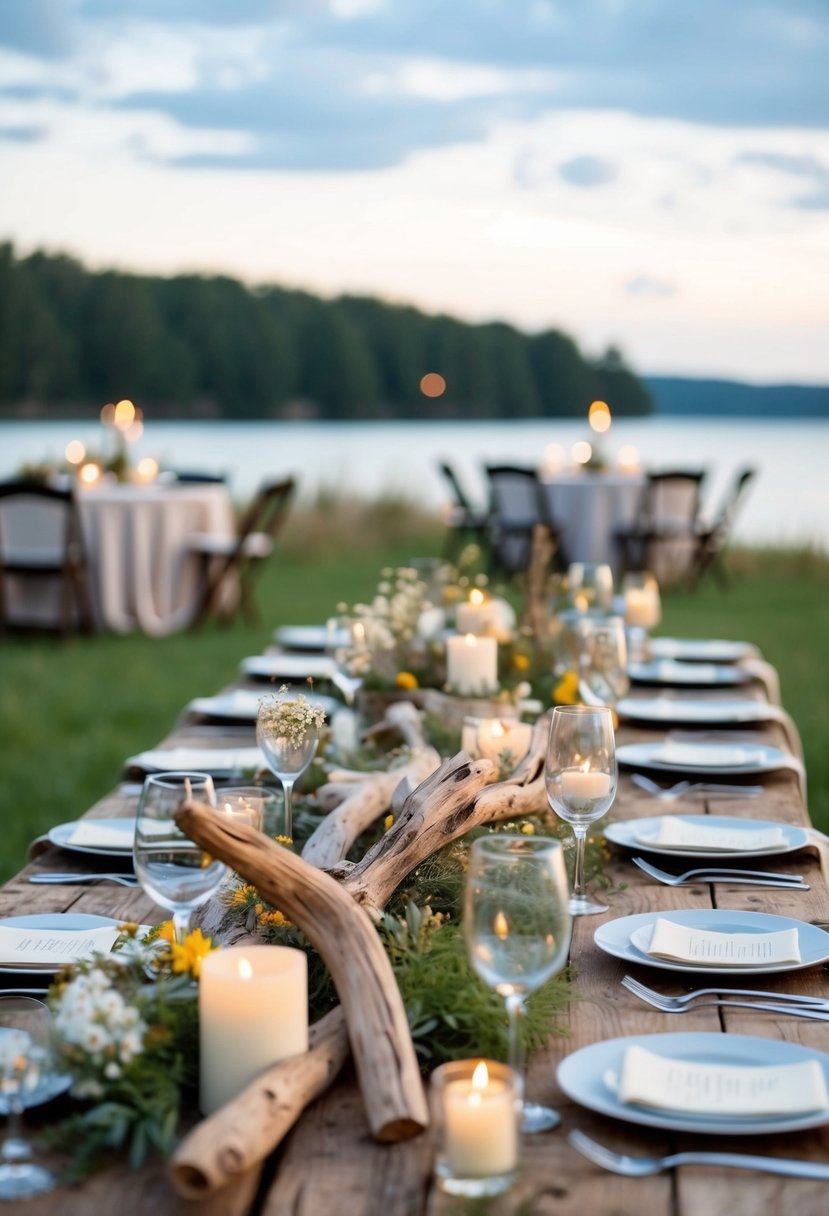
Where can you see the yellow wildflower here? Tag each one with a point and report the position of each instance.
(388, 821)
(287, 841)
(520, 662)
(188, 956)
(241, 895)
(275, 918)
(528, 829)
(566, 692)
(405, 680)
(166, 931)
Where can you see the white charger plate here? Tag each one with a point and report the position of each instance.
(61, 833)
(289, 667)
(217, 762)
(309, 637)
(693, 713)
(56, 922)
(624, 833)
(583, 1077)
(619, 937)
(701, 650)
(700, 675)
(243, 704)
(748, 758)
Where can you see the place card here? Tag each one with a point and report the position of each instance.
(685, 944)
(677, 833)
(92, 834)
(50, 948)
(719, 1089)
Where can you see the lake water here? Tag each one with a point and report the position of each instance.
(789, 502)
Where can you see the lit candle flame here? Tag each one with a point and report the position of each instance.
(470, 639)
(497, 730)
(245, 969)
(500, 926)
(476, 597)
(480, 1077)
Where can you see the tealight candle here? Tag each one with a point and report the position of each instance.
(578, 785)
(492, 738)
(472, 665)
(247, 804)
(476, 1121)
(475, 614)
(642, 607)
(253, 1011)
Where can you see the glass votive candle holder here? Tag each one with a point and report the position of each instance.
(245, 803)
(475, 1117)
(643, 612)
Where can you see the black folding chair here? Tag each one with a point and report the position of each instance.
(464, 525)
(41, 542)
(230, 566)
(516, 505)
(713, 539)
(663, 537)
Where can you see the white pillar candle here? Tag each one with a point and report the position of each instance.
(580, 786)
(492, 737)
(480, 1125)
(253, 1011)
(472, 665)
(642, 607)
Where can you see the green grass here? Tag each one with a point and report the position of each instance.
(70, 714)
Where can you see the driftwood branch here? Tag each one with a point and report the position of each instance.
(245, 1130)
(345, 937)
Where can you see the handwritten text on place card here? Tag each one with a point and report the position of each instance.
(670, 940)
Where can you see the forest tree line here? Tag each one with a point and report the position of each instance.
(209, 346)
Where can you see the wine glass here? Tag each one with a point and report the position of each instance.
(591, 586)
(517, 930)
(25, 1063)
(286, 754)
(581, 777)
(603, 662)
(345, 642)
(173, 870)
(643, 611)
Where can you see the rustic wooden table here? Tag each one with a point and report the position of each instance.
(330, 1165)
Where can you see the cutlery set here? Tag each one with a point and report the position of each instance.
(787, 1003)
(684, 789)
(752, 878)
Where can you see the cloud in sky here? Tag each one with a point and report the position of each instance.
(649, 286)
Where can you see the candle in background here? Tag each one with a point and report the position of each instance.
(476, 1123)
(472, 665)
(475, 614)
(493, 737)
(642, 608)
(253, 1011)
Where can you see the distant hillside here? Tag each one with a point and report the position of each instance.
(673, 395)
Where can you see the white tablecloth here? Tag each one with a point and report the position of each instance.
(589, 507)
(141, 573)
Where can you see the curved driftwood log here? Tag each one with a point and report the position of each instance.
(345, 937)
(245, 1130)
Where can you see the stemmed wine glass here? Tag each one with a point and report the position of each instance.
(603, 677)
(345, 638)
(517, 930)
(591, 586)
(287, 754)
(173, 870)
(25, 1064)
(581, 777)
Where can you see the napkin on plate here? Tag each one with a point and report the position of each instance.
(721, 1089)
(676, 833)
(49, 949)
(704, 755)
(711, 949)
(217, 761)
(94, 834)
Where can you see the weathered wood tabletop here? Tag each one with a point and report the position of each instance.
(329, 1164)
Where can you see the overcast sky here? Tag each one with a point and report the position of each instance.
(653, 173)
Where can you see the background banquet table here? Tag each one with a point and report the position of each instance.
(588, 507)
(329, 1163)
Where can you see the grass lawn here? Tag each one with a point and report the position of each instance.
(70, 714)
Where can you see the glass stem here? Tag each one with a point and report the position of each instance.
(181, 926)
(15, 1149)
(288, 788)
(515, 1011)
(580, 834)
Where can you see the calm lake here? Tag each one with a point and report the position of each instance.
(788, 504)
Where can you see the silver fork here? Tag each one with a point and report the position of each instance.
(684, 788)
(778, 1002)
(640, 1167)
(125, 880)
(751, 878)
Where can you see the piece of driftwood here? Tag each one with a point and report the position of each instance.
(344, 935)
(245, 1130)
(535, 616)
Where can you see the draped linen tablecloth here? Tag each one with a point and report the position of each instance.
(142, 573)
(588, 507)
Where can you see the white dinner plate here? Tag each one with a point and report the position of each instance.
(60, 836)
(56, 922)
(693, 713)
(296, 667)
(717, 759)
(309, 637)
(242, 705)
(701, 650)
(699, 675)
(217, 762)
(586, 1077)
(619, 937)
(624, 833)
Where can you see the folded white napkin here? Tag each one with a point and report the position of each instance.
(686, 673)
(720, 1089)
(216, 761)
(677, 833)
(93, 834)
(704, 755)
(291, 666)
(710, 949)
(53, 948)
